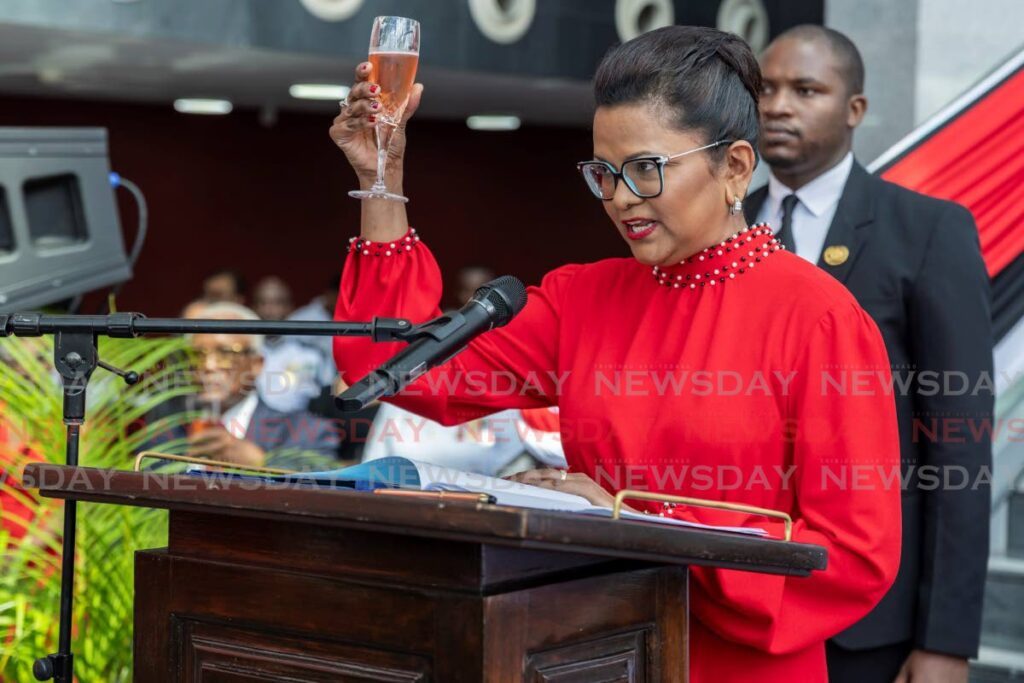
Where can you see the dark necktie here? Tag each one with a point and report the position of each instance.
(785, 234)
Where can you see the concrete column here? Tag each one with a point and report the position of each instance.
(886, 34)
(959, 43)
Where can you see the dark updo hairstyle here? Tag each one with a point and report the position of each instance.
(707, 79)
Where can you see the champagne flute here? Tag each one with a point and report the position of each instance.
(394, 54)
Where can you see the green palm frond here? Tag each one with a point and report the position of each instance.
(31, 405)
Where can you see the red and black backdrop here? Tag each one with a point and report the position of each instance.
(974, 155)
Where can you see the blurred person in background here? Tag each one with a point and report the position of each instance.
(291, 369)
(193, 309)
(272, 299)
(321, 309)
(238, 425)
(354, 428)
(224, 285)
(914, 263)
(468, 280)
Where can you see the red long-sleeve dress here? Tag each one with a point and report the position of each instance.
(742, 374)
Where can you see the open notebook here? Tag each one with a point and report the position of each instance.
(397, 472)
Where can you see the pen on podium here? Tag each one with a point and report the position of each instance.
(440, 496)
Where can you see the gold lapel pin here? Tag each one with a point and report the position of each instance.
(837, 255)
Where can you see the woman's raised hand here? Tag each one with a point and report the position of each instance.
(353, 128)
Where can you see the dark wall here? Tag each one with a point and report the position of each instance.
(782, 14)
(229, 192)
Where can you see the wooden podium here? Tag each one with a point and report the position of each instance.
(264, 582)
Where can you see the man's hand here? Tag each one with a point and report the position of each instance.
(216, 443)
(931, 667)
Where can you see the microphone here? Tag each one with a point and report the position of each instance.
(493, 305)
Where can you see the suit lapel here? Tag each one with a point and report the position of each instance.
(855, 210)
(256, 432)
(845, 238)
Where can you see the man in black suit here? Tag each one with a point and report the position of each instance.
(914, 264)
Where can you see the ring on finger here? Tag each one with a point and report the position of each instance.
(565, 475)
(344, 103)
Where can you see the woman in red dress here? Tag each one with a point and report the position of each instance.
(710, 364)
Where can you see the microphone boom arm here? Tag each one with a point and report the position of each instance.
(131, 325)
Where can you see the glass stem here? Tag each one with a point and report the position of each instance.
(384, 131)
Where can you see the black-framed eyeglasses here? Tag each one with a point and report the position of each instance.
(644, 176)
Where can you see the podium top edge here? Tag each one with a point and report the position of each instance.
(458, 520)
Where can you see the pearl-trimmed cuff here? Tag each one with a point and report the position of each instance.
(398, 247)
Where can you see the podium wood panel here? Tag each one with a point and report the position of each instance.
(210, 608)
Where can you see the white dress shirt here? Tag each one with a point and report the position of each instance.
(236, 419)
(315, 310)
(289, 378)
(485, 446)
(814, 211)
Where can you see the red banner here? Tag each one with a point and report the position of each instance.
(977, 160)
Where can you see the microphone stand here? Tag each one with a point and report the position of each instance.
(76, 357)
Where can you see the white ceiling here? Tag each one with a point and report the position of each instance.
(59, 63)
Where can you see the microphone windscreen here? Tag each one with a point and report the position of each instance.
(508, 296)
